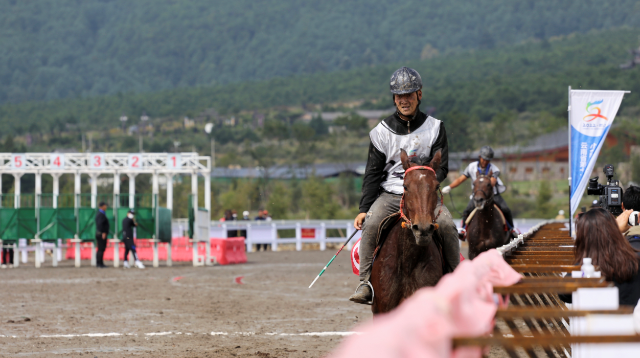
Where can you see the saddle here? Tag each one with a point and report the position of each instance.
(504, 220)
(385, 227)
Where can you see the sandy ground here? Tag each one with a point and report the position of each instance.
(270, 315)
(259, 309)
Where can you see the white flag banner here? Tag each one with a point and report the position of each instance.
(591, 114)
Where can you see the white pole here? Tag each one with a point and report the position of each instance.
(76, 189)
(16, 198)
(132, 189)
(194, 190)
(569, 156)
(94, 190)
(170, 191)
(56, 188)
(155, 190)
(207, 191)
(116, 184)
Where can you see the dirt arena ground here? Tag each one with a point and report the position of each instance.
(259, 309)
(180, 311)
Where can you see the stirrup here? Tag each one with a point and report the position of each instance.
(373, 294)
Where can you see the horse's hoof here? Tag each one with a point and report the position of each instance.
(362, 295)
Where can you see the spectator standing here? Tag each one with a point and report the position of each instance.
(102, 229)
(128, 223)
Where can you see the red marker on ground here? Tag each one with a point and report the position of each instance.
(239, 280)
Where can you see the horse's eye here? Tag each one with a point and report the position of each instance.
(405, 187)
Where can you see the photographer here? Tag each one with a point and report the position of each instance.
(630, 203)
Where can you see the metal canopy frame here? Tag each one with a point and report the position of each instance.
(168, 164)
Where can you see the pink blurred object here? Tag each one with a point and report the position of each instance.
(461, 305)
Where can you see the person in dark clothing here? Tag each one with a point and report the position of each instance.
(630, 203)
(421, 137)
(598, 237)
(102, 229)
(7, 257)
(128, 223)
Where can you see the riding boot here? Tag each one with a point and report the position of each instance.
(448, 231)
(362, 295)
(499, 200)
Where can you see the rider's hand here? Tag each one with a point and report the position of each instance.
(623, 220)
(446, 190)
(357, 223)
(104, 235)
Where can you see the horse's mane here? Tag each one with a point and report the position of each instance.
(421, 160)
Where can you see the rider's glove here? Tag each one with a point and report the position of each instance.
(446, 190)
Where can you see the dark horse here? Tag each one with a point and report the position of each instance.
(486, 229)
(409, 258)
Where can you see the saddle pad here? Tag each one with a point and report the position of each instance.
(384, 228)
(504, 221)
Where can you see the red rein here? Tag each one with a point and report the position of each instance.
(406, 222)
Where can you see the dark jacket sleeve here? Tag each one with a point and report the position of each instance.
(373, 177)
(441, 143)
(102, 223)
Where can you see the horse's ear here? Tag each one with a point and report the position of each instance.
(435, 162)
(404, 158)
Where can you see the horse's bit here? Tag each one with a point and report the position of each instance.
(407, 221)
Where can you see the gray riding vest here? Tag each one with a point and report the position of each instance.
(416, 144)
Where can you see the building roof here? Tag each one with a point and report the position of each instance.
(324, 170)
(557, 140)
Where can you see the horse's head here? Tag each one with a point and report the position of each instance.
(420, 196)
(482, 190)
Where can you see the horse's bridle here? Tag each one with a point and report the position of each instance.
(407, 221)
(482, 190)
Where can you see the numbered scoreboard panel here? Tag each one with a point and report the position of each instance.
(104, 162)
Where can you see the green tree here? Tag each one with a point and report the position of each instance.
(317, 199)
(279, 202)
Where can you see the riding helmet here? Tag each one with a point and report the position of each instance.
(486, 153)
(405, 80)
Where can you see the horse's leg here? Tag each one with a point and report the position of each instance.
(383, 273)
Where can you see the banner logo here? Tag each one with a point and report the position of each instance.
(592, 109)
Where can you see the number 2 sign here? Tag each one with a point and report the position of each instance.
(174, 161)
(18, 161)
(135, 161)
(96, 161)
(57, 161)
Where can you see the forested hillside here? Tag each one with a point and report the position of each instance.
(69, 48)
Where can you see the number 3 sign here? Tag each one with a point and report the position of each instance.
(135, 161)
(57, 161)
(96, 161)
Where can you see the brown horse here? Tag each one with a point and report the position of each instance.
(486, 230)
(409, 258)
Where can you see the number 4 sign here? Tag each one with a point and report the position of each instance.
(57, 161)
(135, 161)
(18, 161)
(96, 161)
(174, 161)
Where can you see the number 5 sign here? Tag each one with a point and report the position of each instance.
(57, 161)
(174, 161)
(135, 161)
(96, 161)
(18, 161)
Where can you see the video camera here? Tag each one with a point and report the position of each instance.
(610, 194)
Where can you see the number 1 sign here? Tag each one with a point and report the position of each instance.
(96, 161)
(174, 161)
(57, 161)
(135, 161)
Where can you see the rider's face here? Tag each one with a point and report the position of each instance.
(484, 163)
(407, 103)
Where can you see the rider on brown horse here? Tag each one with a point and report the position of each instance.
(483, 166)
(421, 136)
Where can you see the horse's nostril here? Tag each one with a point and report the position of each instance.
(415, 227)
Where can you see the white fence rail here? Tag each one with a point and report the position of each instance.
(304, 232)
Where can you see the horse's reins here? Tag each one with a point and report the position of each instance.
(407, 221)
